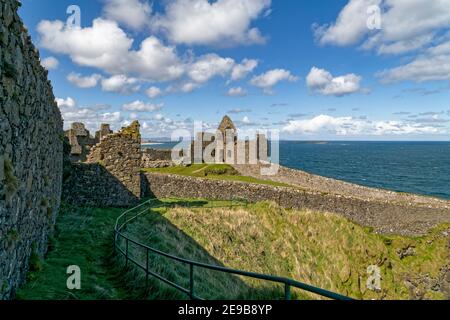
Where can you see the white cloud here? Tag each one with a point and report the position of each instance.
(406, 25)
(153, 92)
(246, 120)
(421, 69)
(209, 66)
(237, 92)
(240, 71)
(184, 87)
(139, 106)
(120, 84)
(189, 87)
(421, 27)
(350, 26)
(87, 116)
(50, 63)
(402, 46)
(66, 103)
(321, 81)
(222, 22)
(105, 46)
(83, 82)
(90, 116)
(239, 110)
(134, 14)
(271, 78)
(349, 126)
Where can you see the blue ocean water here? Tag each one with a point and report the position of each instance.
(416, 167)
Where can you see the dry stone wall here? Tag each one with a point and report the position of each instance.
(150, 155)
(31, 150)
(91, 185)
(385, 217)
(111, 175)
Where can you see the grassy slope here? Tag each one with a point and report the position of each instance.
(83, 237)
(320, 249)
(324, 250)
(206, 171)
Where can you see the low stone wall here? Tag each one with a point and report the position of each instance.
(385, 217)
(151, 155)
(91, 185)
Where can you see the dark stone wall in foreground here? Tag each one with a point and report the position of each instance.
(31, 150)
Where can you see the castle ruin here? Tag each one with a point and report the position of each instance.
(81, 141)
(110, 175)
(223, 146)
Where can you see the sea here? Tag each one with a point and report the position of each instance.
(414, 167)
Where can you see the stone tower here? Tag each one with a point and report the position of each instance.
(226, 141)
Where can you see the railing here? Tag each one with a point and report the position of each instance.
(122, 221)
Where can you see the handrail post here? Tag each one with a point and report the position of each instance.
(146, 269)
(191, 281)
(126, 252)
(287, 291)
(115, 240)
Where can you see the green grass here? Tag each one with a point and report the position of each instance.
(320, 249)
(82, 237)
(215, 172)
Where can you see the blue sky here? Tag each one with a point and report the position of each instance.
(311, 69)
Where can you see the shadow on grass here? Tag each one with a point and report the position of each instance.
(84, 237)
(154, 230)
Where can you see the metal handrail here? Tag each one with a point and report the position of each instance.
(287, 282)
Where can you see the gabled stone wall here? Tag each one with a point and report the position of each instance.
(31, 151)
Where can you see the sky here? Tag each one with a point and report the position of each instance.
(313, 70)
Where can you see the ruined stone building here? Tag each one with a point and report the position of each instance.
(110, 176)
(223, 146)
(81, 141)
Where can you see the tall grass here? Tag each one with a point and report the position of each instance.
(320, 249)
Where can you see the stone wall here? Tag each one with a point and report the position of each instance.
(111, 175)
(80, 140)
(31, 150)
(91, 185)
(150, 155)
(384, 216)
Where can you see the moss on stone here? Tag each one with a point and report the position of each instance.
(12, 236)
(132, 130)
(11, 182)
(35, 262)
(9, 70)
